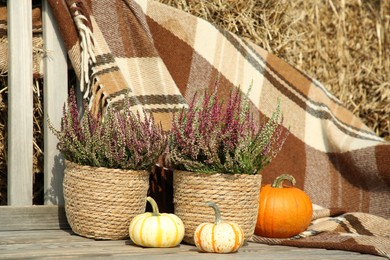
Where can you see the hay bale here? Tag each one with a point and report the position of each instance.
(38, 53)
(38, 118)
(345, 46)
(37, 40)
(341, 43)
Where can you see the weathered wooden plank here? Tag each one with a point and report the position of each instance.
(20, 103)
(38, 236)
(55, 94)
(61, 244)
(32, 217)
(121, 249)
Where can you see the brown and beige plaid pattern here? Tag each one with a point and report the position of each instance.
(353, 231)
(161, 56)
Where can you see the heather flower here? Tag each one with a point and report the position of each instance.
(118, 139)
(210, 136)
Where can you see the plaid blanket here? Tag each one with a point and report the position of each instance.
(353, 231)
(161, 56)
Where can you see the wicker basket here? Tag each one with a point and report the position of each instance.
(101, 202)
(236, 195)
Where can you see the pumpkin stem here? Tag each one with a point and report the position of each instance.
(278, 182)
(217, 212)
(154, 206)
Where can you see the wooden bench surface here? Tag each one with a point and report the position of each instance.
(41, 232)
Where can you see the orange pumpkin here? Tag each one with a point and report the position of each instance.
(283, 211)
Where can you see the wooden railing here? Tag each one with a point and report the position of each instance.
(20, 104)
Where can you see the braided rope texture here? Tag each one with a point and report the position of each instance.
(101, 202)
(237, 196)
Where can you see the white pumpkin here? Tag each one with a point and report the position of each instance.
(220, 236)
(154, 229)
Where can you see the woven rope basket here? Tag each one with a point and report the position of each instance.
(236, 195)
(101, 202)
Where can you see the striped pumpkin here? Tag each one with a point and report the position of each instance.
(220, 236)
(154, 229)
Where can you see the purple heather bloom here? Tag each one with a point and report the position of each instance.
(210, 137)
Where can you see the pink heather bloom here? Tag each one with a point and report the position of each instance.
(210, 137)
(117, 139)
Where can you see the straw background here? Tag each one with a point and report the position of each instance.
(345, 44)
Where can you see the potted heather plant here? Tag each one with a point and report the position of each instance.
(108, 158)
(217, 151)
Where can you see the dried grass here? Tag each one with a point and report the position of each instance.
(347, 49)
(37, 139)
(341, 43)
